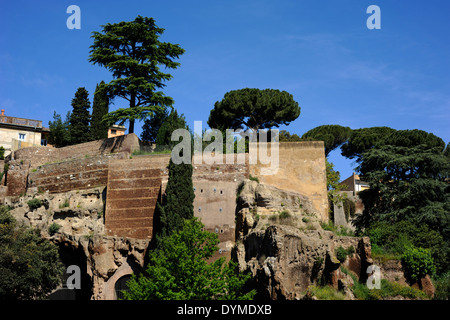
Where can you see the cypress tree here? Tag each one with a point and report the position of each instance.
(80, 117)
(100, 107)
(178, 201)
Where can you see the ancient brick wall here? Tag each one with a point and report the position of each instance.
(38, 156)
(132, 192)
(76, 174)
(16, 178)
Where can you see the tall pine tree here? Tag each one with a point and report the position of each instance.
(79, 119)
(100, 107)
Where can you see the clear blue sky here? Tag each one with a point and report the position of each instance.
(338, 70)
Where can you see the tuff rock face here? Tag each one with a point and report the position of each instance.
(280, 241)
(81, 238)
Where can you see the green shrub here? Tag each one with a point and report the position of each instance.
(34, 204)
(393, 239)
(54, 228)
(442, 286)
(285, 214)
(253, 178)
(341, 253)
(418, 263)
(393, 289)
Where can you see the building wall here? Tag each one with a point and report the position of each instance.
(301, 169)
(9, 139)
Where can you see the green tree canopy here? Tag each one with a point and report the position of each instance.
(172, 122)
(29, 265)
(406, 183)
(253, 109)
(59, 131)
(361, 140)
(179, 270)
(177, 202)
(333, 136)
(134, 54)
(100, 107)
(286, 136)
(153, 124)
(79, 122)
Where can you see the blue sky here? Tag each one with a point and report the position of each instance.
(321, 52)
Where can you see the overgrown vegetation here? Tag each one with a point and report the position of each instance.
(33, 204)
(179, 270)
(53, 228)
(29, 265)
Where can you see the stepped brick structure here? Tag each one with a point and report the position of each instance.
(132, 192)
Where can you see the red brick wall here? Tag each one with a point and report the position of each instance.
(132, 193)
(74, 174)
(16, 178)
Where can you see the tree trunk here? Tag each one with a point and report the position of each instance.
(132, 105)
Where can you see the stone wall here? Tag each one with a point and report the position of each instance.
(76, 174)
(301, 169)
(38, 156)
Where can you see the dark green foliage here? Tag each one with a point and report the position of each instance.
(333, 136)
(34, 204)
(169, 125)
(394, 238)
(153, 124)
(2, 153)
(406, 182)
(341, 253)
(59, 131)
(54, 228)
(80, 117)
(442, 286)
(361, 140)
(418, 263)
(133, 53)
(29, 265)
(253, 109)
(100, 107)
(286, 136)
(179, 270)
(177, 203)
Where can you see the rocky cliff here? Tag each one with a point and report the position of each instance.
(75, 222)
(280, 241)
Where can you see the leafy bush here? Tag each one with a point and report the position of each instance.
(30, 267)
(442, 286)
(392, 240)
(341, 253)
(285, 214)
(418, 263)
(34, 204)
(54, 228)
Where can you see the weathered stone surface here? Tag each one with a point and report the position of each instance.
(285, 261)
(280, 241)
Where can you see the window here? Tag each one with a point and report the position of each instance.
(21, 136)
(113, 131)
